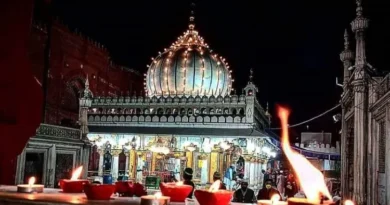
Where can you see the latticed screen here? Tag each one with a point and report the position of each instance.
(382, 147)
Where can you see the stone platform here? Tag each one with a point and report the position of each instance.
(9, 196)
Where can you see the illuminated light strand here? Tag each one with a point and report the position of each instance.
(203, 73)
(185, 72)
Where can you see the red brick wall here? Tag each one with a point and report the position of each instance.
(72, 58)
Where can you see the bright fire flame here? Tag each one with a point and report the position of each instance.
(348, 202)
(31, 181)
(179, 183)
(310, 178)
(76, 173)
(157, 195)
(215, 186)
(275, 198)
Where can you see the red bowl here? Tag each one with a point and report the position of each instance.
(99, 191)
(178, 193)
(220, 197)
(124, 187)
(73, 186)
(61, 183)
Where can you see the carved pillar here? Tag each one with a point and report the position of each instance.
(127, 164)
(133, 163)
(101, 154)
(360, 142)
(252, 173)
(387, 155)
(85, 162)
(359, 25)
(115, 164)
(344, 153)
(189, 156)
(213, 165)
(177, 168)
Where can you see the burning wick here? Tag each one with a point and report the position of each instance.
(31, 181)
(311, 179)
(76, 174)
(348, 202)
(215, 186)
(274, 199)
(31, 187)
(179, 183)
(157, 195)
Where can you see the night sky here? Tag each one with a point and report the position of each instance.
(293, 46)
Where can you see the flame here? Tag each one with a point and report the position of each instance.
(311, 179)
(275, 198)
(31, 181)
(179, 183)
(215, 186)
(348, 202)
(76, 173)
(157, 195)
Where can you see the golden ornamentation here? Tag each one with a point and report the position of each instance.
(116, 152)
(213, 164)
(189, 159)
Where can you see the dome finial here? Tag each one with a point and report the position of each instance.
(359, 8)
(250, 75)
(191, 24)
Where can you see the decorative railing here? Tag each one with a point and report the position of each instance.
(58, 131)
(383, 86)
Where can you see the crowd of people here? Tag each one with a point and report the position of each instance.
(275, 183)
(281, 184)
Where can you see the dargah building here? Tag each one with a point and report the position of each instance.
(188, 116)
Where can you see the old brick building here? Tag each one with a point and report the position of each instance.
(73, 57)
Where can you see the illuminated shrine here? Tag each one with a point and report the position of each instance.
(190, 116)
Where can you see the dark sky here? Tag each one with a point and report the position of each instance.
(293, 46)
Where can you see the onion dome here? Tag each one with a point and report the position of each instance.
(188, 67)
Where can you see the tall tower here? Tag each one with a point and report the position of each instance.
(359, 26)
(346, 56)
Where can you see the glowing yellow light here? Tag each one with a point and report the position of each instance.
(76, 173)
(31, 181)
(310, 178)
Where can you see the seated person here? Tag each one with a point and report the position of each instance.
(217, 176)
(187, 176)
(244, 194)
(268, 192)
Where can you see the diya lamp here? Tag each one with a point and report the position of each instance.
(310, 178)
(213, 196)
(156, 199)
(178, 192)
(99, 191)
(31, 187)
(74, 185)
(275, 200)
(124, 188)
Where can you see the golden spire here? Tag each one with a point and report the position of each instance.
(191, 24)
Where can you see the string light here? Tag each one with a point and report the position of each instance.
(189, 41)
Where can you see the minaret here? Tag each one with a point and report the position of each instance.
(346, 57)
(360, 185)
